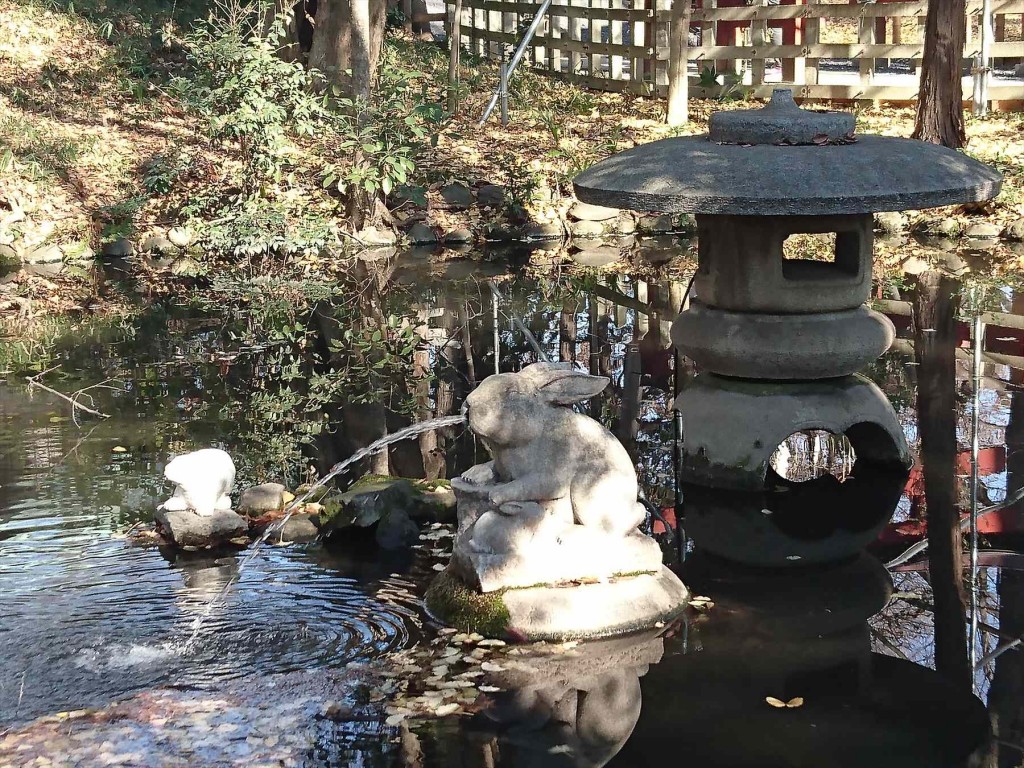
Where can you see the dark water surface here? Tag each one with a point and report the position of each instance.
(87, 619)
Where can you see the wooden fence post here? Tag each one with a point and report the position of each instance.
(615, 35)
(759, 38)
(678, 65)
(812, 36)
(866, 36)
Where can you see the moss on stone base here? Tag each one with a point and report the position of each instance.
(450, 599)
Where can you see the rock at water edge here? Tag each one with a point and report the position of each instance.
(188, 529)
(261, 499)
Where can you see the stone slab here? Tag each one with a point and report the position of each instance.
(586, 212)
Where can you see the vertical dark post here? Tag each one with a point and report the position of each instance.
(503, 92)
(1006, 694)
(935, 304)
(567, 332)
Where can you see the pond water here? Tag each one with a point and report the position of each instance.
(87, 619)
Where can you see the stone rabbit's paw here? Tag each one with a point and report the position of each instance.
(480, 474)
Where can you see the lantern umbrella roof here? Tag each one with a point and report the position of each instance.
(784, 160)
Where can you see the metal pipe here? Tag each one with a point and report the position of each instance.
(497, 333)
(530, 32)
(503, 93)
(978, 333)
(515, 322)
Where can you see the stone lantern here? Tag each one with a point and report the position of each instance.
(779, 341)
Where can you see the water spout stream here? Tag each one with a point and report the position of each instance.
(375, 447)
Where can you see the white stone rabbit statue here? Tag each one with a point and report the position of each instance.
(203, 479)
(543, 450)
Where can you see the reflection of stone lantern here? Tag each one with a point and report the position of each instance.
(779, 340)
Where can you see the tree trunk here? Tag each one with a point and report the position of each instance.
(678, 43)
(940, 114)
(454, 49)
(935, 341)
(331, 51)
(360, 49)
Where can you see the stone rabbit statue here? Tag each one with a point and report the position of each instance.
(543, 450)
(203, 479)
(559, 500)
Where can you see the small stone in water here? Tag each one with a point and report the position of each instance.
(488, 666)
(446, 709)
(489, 689)
(394, 720)
(491, 642)
(439, 566)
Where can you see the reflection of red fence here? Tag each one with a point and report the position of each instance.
(1004, 333)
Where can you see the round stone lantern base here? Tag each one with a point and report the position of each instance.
(731, 427)
(773, 346)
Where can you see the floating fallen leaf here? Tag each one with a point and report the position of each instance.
(439, 566)
(793, 703)
(489, 666)
(488, 689)
(491, 642)
(119, 449)
(446, 709)
(394, 720)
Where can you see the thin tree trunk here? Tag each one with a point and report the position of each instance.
(935, 341)
(360, 20)
(940, 114)
(567, 335)
(678, 43)
(454, 48)
(467, 344)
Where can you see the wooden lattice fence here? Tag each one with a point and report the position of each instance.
(826, 50)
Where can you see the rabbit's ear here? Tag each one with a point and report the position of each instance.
(568, 387)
